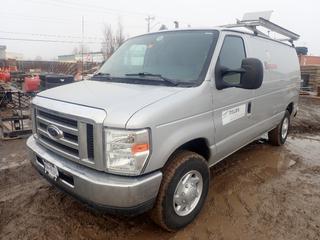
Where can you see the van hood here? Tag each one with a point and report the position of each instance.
(119, 100)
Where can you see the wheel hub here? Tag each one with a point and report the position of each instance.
(188, 193)
(285, 127)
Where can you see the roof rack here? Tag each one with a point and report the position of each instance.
(262, 22)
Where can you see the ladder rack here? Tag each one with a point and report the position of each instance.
(262, 22)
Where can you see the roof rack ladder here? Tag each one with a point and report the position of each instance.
(262, 22)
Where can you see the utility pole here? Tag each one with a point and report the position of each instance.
(149, 19)
(82, 67)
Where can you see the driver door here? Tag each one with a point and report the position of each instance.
(232, 106)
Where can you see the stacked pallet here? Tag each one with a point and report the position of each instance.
(311, 75)
(14, 112)
(55, 67)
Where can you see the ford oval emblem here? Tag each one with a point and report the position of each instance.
(54, 132)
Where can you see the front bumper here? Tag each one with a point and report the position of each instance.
(130, 195)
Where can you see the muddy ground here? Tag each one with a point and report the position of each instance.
(260, 192)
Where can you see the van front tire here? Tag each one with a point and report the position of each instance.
(182, 192)
(278, 136)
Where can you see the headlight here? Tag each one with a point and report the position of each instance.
(126, 150)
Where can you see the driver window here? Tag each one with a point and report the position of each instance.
(231, 55)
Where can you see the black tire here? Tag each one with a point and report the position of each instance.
(180, 164)
(275, 135)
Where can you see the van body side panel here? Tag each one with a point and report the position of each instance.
(280, 87)
(281, 80)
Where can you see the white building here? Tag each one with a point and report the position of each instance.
(87, 57)
(14, 55)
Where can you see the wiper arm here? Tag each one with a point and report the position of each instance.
(101, 75)
(159, 76)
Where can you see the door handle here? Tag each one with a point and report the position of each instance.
(249, 108)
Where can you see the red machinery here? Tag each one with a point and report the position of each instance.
(6, 66)
(31, 84)
(4, 75)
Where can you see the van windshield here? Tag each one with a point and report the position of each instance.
(177, 57)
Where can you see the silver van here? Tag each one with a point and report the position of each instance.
(142, 133)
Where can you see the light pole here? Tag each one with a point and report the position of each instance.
(149, 19)
(82, 27)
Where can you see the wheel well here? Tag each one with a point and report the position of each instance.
(199, 145)
(290, 108)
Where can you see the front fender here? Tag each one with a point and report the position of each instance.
(174, 121)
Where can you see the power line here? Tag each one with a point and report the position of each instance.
(95, 8)
(91, 8)
(47, 41)
(87, 7)
(76, 3)
(52, 35)
(102, 8)
(18, 17)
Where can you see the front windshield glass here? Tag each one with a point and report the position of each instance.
(178, 55)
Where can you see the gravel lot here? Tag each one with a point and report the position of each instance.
(260, 192)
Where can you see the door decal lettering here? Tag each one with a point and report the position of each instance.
(233, 114)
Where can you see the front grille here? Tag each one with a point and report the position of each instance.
(60, 146)
(71, 137)
(59, 119)
(90, 148)
(70, 145)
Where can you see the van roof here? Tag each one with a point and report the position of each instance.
(220, 29)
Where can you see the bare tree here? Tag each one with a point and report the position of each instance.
(75, 51)
(111, 40)
(108, 44)
(120, 38)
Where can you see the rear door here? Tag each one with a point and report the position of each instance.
(232, 106)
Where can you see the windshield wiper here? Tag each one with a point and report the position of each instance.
(101, 77)
(159, 76)
(101, 74)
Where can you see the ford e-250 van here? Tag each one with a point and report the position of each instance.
(143, 132)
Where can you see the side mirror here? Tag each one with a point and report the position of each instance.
(251, 75)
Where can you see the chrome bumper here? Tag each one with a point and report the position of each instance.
(96, 187)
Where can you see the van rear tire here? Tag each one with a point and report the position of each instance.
(182, 192)
(278, 135)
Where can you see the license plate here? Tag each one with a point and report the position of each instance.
(51, 170)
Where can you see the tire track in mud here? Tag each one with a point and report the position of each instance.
(13, 165)
(9, 194)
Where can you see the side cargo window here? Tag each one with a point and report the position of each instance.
(231, 55)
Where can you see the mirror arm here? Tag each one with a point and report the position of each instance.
(233, 71)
